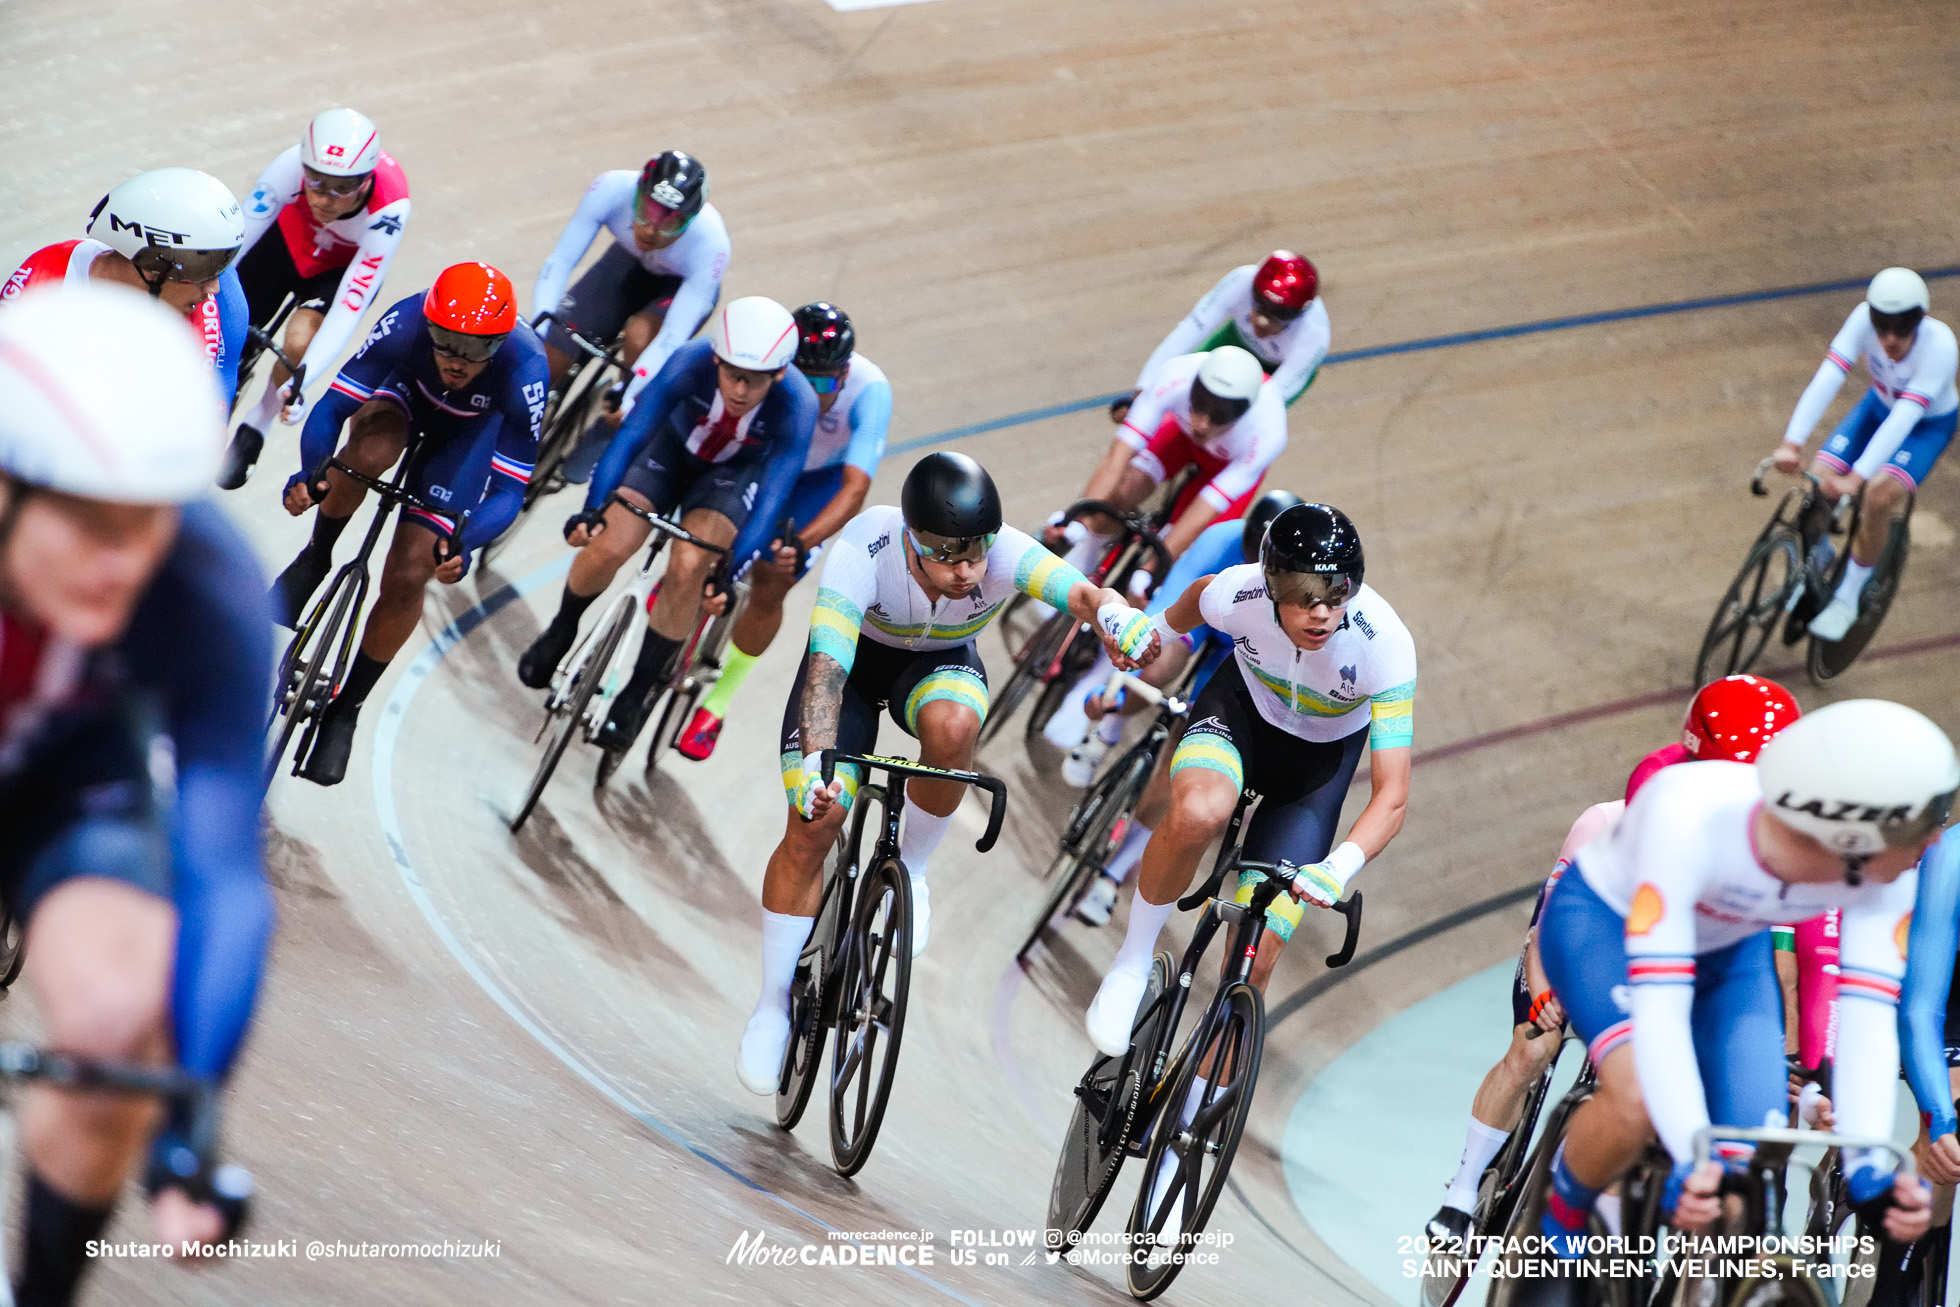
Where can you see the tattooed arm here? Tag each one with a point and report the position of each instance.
(823, 701)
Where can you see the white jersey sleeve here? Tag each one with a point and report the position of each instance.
(600, 199)
(1254, 441)
(359, 285)
(1871, 968)
(1206, 316)
(1305, 352)
(849, 584)
(700, 259)
(279, 185)
(1846, 347)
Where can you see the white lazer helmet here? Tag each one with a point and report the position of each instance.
(1231, 373)
(753, 332)
(1897, 290)
(1860, 776)
(105, 394)
(174, 224)
(340, 143)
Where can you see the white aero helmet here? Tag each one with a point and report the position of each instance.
(1231, 373)
(174, 224)
(753, 332)
(105, 394)
(1860, 776)
(1897, 290)
(340, 143)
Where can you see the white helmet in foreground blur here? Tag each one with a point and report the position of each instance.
(105, 394)
(1860, 776)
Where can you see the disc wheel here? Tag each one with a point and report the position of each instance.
(570, 714)
(876, 963)
(1104, 1121)
(1169, 1216)
(814, 971)
(1771, 574)
(305, 675)
(1829, 658)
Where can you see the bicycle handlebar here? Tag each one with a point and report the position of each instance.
(265, 342)
(1150, 694)
(1279, 876)
(1132, 523)
(995, 787)
(592, 348)
(673, 529)
(1706, 1136)
(1759, 489)
(388, 490)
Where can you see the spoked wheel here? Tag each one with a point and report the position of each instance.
(306, 672)
(569, 717)
(1187, 1166)
(1099, 1131)
(1771, 575)
(814, 970)
(1828, 659)
(1030, 666)
(1445, 1276)
(877, 971)
(1087, 843)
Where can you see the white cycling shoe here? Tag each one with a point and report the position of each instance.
(1099, 902)
(1079, 768)
(1114, 1011)
(1068, 725)
(921, 916)
(1838, 617)
(760, 1063)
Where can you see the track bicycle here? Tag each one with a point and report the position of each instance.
(856, 971)
(317, 657)
(588, 388)
(1134, 1105)
(1790, 573)
(1102, 816)
(258, 340)
(593, 673)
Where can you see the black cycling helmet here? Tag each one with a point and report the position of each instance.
(1260, 516)
(674, 181)
(824, 338)
(951, 507)
(1311, 554)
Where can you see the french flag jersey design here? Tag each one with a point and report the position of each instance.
(480, 441)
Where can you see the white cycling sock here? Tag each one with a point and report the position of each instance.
(1140, 937)
(1069, 723)
(1853, 584)
(1087, 551)
(918, 835)
(1110, 729)
(1608, 1207)
(268, 409)
(1479, 1147)
(783, 938)
(1129, 853)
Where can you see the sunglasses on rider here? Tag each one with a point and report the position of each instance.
(950, 549)
(824, 383)
(163, 263)
(1277, 312)
(649, 212)
(1898, 325)
(1310, 589)
(338, 187)
(460, 345)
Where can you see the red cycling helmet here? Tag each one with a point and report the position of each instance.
(470, 310)
(1285, 284)
(1731, 719)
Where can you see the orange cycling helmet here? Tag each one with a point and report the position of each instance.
(470, 310)
(1731, 719)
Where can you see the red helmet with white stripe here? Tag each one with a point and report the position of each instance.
(340, 143)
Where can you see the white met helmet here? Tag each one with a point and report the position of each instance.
(174, 224)
(72, 360)
(340, 143)
(1231, 373)
(1897, 290)
(753, 332)
(1860, 775)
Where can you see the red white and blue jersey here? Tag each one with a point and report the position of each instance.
(481, 441)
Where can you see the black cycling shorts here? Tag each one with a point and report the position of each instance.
(672, 476)
(883, 679)
(267, 274)
(611, 291)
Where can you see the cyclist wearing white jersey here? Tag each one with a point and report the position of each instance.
(658, 282)
(1322, 667)
(854, 409)
(1272, 311)
(905, 592)
(1890, 441)
(1684, 1019)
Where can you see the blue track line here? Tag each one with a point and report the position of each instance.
(1437, 342)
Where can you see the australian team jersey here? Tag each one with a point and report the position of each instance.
(868, 588)
(1365, 673)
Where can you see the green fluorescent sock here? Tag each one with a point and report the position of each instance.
(733, 673)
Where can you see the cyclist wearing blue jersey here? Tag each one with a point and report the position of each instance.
(455, 367)
(854, 409)
(133, 689)
(720, 435)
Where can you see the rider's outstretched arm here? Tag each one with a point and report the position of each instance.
(360, 284)
(572, 244)
(1871, 967)
(1922, 1012)
(352, 387)
(1823, 387)
(792, 414)
(682, 372)
(691, 305)
(279, 185)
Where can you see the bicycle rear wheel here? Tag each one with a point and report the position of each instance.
(1232, 1036)
(1771, 574)
(816, 970)
(305, 677)
(1030, 669)
(877, 973)
(1828, 659)
(570, 714)
(1086, 844)
(1104, 1121)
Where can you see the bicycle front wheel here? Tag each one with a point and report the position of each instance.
(1829, 658)
(305, 673)
(588, 671)
(1771, 575)
(877, 974)
(809, 1021)
(1186, 1170)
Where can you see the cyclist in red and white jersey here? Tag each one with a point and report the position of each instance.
(340, 203)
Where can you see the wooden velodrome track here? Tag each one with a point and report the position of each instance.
(531, 1040)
